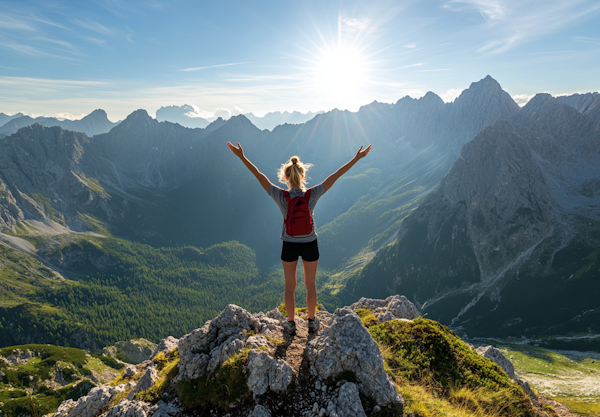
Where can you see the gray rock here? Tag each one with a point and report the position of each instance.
(527, 389)
(497, 356)
(171, 409)
(220, 353)
(90, 405)
(257, 341)
(260, 411)
(129, 408)
(130, 371)
(165, 346)
(134, 351)
(145, 382)
(347, 346)
(348, 401)
(393, 307)
(196, 348)
(267, 373)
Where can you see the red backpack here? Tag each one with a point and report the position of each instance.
(298, 220)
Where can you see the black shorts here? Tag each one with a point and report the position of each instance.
(309, 251)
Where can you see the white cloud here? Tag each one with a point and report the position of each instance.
(451, 94)
(522, 99)
(237, 111)
(69, 116)
(411, 46)
(359, 24)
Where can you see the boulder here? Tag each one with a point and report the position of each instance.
(131, 408)
(348, 401)
(393, 307)
(134, 351)
(260, 411)
(347, 346)
(165, 346)
(267, 373)
(145, 382)
(196, 349)
(497, 356)
(90, 405)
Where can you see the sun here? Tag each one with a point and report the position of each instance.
(340, 72)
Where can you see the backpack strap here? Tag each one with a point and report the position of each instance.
(287, 196)
(307, 194)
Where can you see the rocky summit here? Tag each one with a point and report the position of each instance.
(243, 364)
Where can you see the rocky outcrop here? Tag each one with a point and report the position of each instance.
(502, 361)
(91, 405)
(346, 345)
(392, 308)
(136, 350)
(313, 381)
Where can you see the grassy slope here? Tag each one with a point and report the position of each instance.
(31, 389)
(570, 377)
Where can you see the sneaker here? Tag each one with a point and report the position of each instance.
(290, 327)
(313, 325)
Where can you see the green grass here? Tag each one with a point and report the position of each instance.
(426, 353)
(167, 370)
(582, 406)
(366, 316)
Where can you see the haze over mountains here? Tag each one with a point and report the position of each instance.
(189, 116)
(94, 123)
(476, 207)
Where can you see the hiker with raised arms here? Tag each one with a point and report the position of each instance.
(299, 233)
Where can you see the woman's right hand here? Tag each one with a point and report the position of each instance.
(236, 150)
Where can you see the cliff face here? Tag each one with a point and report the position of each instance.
(518, 194)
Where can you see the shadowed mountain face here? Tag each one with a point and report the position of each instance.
(160, 182)
(515, 221)
(94, 123)
(4, 118)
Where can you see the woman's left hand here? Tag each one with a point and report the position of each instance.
(361, 153)
(236, 150)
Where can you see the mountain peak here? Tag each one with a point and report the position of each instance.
(97, 114)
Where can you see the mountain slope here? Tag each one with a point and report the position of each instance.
(518, 211)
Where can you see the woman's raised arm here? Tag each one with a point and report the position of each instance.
(333, 177)
(262, 178)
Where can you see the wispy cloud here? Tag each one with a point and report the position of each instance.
(211, 66)
(511, 23)
(586, 39)
(30, 50)
(435, 70)
(96, 27)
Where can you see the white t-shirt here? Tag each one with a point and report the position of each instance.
(277, 194)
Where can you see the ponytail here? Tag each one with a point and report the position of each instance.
(293, 173)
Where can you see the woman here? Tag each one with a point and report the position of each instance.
(293, 174)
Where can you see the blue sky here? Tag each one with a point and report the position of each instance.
(68, 58)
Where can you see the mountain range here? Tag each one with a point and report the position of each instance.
(484, 213)
(94, 123)
(187, 116)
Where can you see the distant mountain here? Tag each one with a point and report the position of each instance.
(273, 119)
(508, 240)
(4, 118)
(186, 116)
(94, 123)
(181, 115)
(584, 103)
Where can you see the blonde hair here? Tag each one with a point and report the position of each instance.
(293, 173)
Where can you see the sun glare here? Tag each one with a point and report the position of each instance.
(340, 72)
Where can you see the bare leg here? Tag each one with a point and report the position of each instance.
(310, 281)
(289, 271)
